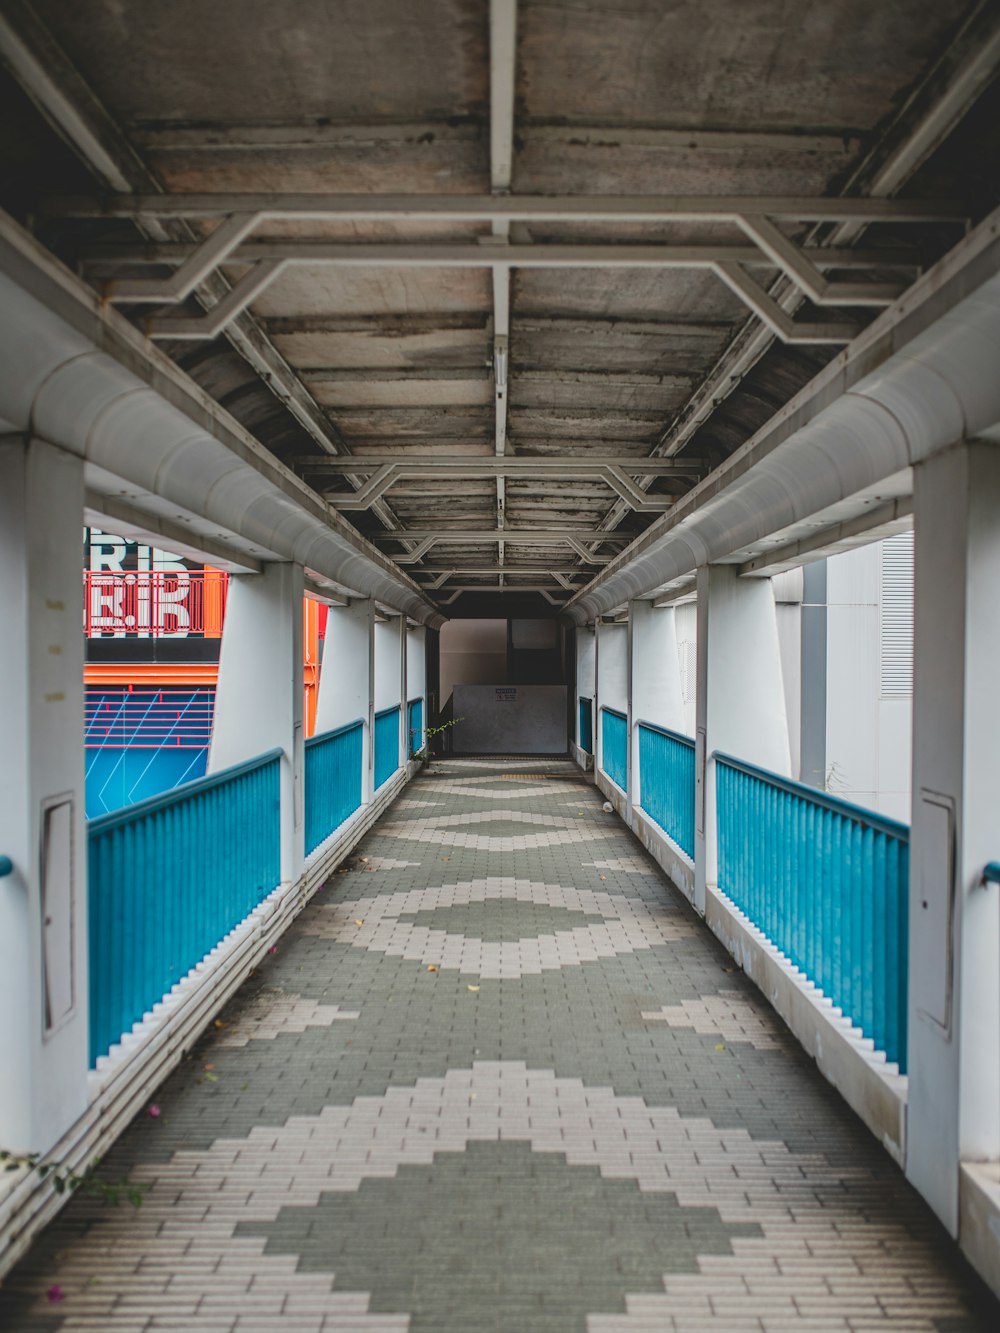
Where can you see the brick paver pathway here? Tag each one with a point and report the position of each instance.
(498, 1077)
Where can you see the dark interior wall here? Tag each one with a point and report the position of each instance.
(502, 652)
(535, 653)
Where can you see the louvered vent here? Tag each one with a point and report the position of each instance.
(896, 618)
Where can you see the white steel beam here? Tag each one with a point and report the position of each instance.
(490, 253)
(277, 206)
(531, 465)
(198, 265)
(946, 93)
(67, 102)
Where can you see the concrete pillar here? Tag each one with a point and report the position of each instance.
(347, 681)
(741, 700)
(813, 673)
(43, 902)
(655, 679)
(259, 699)
(954, 1006)
(586, 675)
(416, 674)
(404, 734)
(612, 679)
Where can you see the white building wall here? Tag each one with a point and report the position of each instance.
(387, 664)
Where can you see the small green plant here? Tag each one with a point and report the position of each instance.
(424, 753)
(66, 1181)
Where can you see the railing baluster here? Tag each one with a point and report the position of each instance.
(169, 878)
(826, 881)
(387, 758)
(332, 781)
(666, 770)
(614, 746)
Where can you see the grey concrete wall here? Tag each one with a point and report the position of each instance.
(510, 719)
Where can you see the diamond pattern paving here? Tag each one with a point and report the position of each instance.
(497, 1076)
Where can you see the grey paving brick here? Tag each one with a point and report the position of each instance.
(583, 1118)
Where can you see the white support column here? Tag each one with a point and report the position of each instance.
(741, 700)
(347, 680)
(43, 902)
(954, 1009)
(416, 672)
(586, 675)
(404, 732)
(613, 679)
(259, 701)
(656, 678)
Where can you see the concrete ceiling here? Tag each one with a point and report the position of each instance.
(568, 236)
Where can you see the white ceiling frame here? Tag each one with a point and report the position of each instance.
(503, 67)
(933, 109)
(392, 473)
(66, 101)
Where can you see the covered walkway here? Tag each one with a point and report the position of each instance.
(498, 1075)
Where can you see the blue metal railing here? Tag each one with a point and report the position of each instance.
(614, 746)
(826, 881)
(386, 744)
(169, 878)
(415, 725)
(666, 782)
(585, 733)
(332, 780)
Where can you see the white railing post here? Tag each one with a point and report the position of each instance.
(741, 701)
(954, 1006)
(44, 1035)
(346, 681)
(259, 701)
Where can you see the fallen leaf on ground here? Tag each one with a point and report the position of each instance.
(720, 1045)
(474, 989)
(431, 967)
(604, 877)
(358, 921)
(363, 860)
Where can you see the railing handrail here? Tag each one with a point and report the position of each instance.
(183, 792)
(665, 731)
(615, 712)
(384, 712)
(834, 803)
(417, 699)
(586, 698)
(337, 731)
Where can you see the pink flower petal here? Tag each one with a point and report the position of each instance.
(153, 1111)
(55, 1293)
